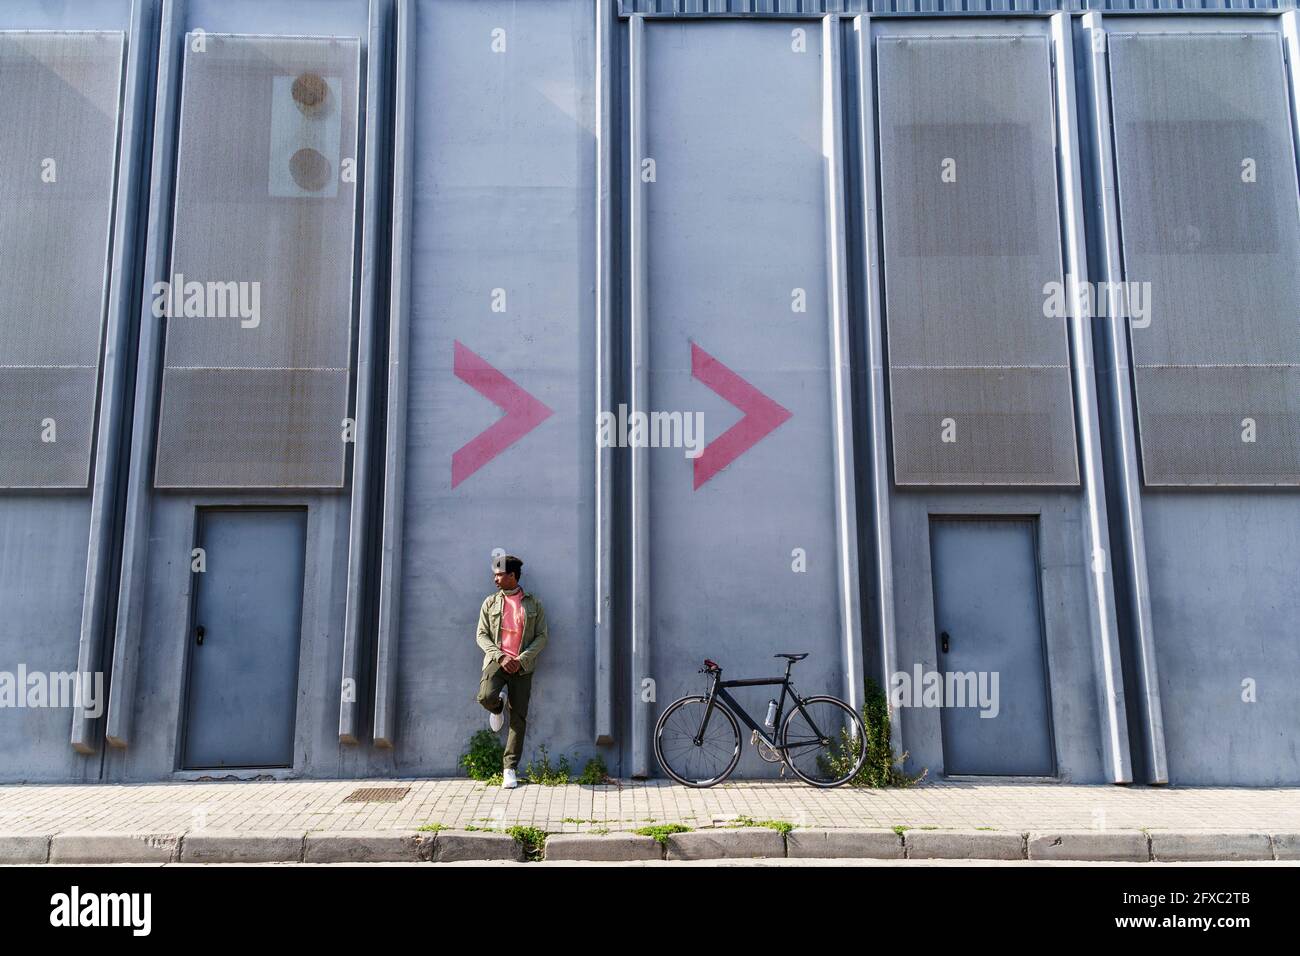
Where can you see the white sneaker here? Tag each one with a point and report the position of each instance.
(508, 780)
(497, 721)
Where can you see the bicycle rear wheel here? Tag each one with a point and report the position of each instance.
(713, 758)
(825, 741)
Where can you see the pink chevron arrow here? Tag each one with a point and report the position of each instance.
(762, 415)
(523, 413)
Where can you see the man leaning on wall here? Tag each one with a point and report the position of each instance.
(511, 632)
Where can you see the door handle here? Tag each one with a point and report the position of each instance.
(198, 634)
(943, 640)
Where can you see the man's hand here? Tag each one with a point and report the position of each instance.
(510, 665)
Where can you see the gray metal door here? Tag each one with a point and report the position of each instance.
(996, 716)
(243, 680)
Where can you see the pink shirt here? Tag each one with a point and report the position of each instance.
(512, 623)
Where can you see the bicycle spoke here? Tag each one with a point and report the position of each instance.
(805, 744)
(824, 741)
(682, 757)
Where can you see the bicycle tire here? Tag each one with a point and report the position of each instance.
(676, 774)
(852, 718)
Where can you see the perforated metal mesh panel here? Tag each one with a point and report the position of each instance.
(1004, 422)
(979, 377)
(60, 96)
(38, 404)
(1210, 217)
(1251, 422)
(255, 387)
(255, 428)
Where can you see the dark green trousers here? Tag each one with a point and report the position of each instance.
(519, 687)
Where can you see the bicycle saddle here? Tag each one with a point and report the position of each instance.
(792, 657)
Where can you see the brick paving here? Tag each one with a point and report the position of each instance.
(317, 805)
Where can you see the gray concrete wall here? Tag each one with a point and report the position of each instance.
(1207, 582)
(155, 626)
(502, 231)
(58, 548)
(42, 582)
(505, 155)
(743, 562)
(1224, 603)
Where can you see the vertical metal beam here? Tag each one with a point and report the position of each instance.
(366, 421)
(135, 542)
(1123, 440)
(605, 328)
(1291, 47)
(837, 297)
(640, 342)
(873, 316)
(119, 336)
(1101, 596)
(399, 323)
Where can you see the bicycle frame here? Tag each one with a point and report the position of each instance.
(719, 691)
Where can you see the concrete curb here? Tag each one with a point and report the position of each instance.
(366, 846)
(1126, 846)
(745, 843)
(963, 845)
(24, 847)
(451, 846)
(831, 844)
(243, 847)
(1196, 846)
(1286, 846)
(109, 847)
(448, 846)
(589, 846)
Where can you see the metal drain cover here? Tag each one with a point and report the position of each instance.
(377, 795)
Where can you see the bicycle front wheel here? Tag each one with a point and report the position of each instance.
(701, 764)
(824, 740)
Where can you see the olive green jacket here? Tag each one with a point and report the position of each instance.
(489, 630)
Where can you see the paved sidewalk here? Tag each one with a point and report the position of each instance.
(296, 806)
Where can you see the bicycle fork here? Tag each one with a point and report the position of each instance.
(704, 724)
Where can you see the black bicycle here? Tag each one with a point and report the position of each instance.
(697, 738)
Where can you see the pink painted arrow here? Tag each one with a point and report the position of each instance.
(523, 413)
(762, 415)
